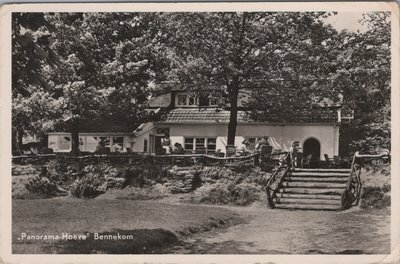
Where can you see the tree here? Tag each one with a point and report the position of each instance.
(230, 51)
(365, 80)
(105, 67)
(30, 53)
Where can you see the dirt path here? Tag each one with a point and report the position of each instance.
(297, 232)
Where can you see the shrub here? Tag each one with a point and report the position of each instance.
(212, 174)
(41, 186)
(215, 194)
(244, 193)
(87, 187)
(62, 171)
(374, 197)
(228, 193)
(242, 168)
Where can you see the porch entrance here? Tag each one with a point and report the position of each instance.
(313, 147)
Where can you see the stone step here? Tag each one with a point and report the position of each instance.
(309, 196)
(316, 179)
(312, 191)
(308, 206)
(319, 185)
(306, 201)
(317, 174)
(322, 170)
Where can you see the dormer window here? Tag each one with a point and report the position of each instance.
(189, 100)
(186, 100)
(182, 98)
(192, 100)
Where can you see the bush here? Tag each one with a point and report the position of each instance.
(242, 168)
(213, 174)
(374, 197)
(244, 193)
(228, 193)
(62, 171)
(216, 194)
(41, 186)
(88, 186)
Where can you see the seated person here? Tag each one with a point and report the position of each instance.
(178, 149)
(244, 150)
(218, 153)
(260, 144)
(100, 146)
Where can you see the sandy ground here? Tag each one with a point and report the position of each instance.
(153, 224)
(298, 232)
(260, 230)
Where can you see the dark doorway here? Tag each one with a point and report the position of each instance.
(313, 147)
(157, 145)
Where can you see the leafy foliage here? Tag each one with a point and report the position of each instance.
(102, 66)
(365, 81)
(42, 186)
(232, 52)
(72, 69)
(86, 187)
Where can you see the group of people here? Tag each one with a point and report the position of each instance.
(257, 149)
(166, 144)
(178, 148)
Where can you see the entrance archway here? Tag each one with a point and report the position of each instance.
(313, 147)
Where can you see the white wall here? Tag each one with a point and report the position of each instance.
(144, 134)
(54, 141)
(282, 135)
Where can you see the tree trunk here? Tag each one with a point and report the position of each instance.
(20, 136)
(234, 112)
(75, 137)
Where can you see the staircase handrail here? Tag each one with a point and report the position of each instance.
(351, 195)
(285, 164)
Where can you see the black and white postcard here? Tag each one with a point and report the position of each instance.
(200, 132)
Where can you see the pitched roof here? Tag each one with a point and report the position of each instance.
(201, 116)
(219, 116)
(163, 100)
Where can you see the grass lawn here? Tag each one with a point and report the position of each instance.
(152, 226)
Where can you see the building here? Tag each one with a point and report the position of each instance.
(88, 141)
(199, 124)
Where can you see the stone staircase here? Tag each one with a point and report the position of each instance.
(312, 189)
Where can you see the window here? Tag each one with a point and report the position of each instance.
(162, 131)
(105, 141)
(211, 145)
(145, 145)
(65, 143)
(191, 100)
(118, 144)
(189, 143)
(214, 101)
(207, 144)
(182, 99)
(208, 100)
(200, 142)
(186, 100)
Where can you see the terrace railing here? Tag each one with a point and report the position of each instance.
(352, 194)
(145, 158)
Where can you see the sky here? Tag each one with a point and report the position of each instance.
(347, 20)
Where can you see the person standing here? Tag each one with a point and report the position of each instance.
(166, 144)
